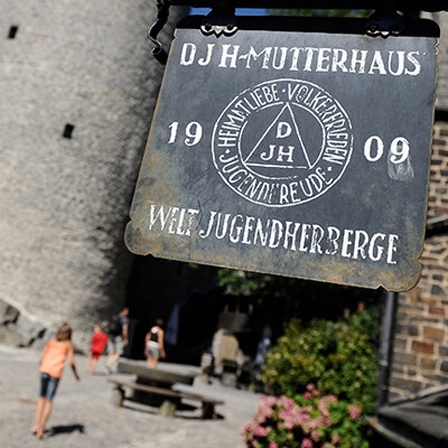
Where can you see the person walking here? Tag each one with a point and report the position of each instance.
(97, 347)
(117, 330)
(154, 344)
(52, 362)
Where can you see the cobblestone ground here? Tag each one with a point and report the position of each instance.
(84, 416)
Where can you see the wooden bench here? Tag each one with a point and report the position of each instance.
(171, 397)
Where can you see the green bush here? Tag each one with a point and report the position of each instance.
(338, 357)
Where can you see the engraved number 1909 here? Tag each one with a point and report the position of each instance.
(193, 133)
(398, 150)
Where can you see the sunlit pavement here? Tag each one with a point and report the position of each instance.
(84, 416)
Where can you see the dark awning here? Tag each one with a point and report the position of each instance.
(417, 421)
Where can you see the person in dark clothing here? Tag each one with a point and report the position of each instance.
(117, 342)
(154, 344)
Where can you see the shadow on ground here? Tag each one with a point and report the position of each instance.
(66, 429)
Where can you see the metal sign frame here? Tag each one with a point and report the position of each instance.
(397, 5)
(211, 191)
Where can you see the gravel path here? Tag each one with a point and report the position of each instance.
(83, 414)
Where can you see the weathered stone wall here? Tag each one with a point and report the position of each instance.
(420, 346)
(442, 85)
(420, 357)
(83, 69)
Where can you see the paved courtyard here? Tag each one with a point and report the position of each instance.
(83, 414)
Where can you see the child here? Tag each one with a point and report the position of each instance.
(99, 342)
(52, 362)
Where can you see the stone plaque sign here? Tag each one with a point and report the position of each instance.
(301, 154)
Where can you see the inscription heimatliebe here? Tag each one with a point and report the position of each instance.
(284, 163)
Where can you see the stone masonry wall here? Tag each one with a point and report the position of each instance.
(78, 85)
(420, 346)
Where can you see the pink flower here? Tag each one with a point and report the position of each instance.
(267, 401)
(335, 438)
(261, 431)
(264, 410)
(273, 445)
(307, 443)
(286, 402)
(315, 435)
(354, 412)
(324, 404)
(284, 415)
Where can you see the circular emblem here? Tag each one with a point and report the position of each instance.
(282, 143)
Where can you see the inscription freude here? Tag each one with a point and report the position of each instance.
(301, 149)
(300, 152)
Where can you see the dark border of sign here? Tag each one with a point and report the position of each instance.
(414, 27)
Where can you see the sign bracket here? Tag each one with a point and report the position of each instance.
(384, 23)
(163, 7)
(220, 20)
